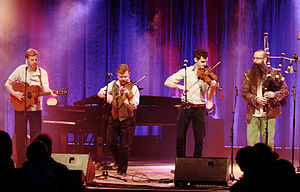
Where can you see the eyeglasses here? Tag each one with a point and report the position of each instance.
(258, 58)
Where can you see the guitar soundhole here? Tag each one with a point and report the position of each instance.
(29, 95)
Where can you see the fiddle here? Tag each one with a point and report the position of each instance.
(126, 90)
(126, 93)
(206, 75)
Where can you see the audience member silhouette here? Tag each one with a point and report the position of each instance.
(286, 175)
(266, 165)
(36, 168)
(263, 171)
(39, 173)
(246, 158)
(7, 168)
(61, 171)
(266, 155)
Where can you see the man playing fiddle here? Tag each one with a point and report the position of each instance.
(257, 99)
(124, 97)
(194, 108)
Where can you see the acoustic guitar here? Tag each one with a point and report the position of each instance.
(32, 94)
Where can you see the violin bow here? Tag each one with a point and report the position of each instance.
(139, 79)
(216, 65)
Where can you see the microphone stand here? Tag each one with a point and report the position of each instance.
(105, 124)
(267, 109)
(185, 99)
(105, 173)
(231, 176)
(294, 111)
(25, 106)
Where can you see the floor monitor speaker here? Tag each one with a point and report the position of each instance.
(201, 171)
(77, 162)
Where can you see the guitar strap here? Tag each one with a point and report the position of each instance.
(40, 77)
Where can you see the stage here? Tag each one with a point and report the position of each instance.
(149, 176)
(156, 175)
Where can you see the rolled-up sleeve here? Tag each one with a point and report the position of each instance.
(177, 77)
(136, 98)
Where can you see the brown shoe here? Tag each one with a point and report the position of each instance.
(113, 166)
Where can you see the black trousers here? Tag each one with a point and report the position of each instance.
(120, 136)
(184, 117)
(35, 123)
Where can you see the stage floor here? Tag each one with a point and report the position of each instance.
(149, 176)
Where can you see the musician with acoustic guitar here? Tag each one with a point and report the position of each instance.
(36, 79)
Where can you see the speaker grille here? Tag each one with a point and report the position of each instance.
(202, 170)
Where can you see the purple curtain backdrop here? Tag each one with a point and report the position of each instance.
(82, 40)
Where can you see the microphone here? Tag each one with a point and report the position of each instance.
(185, 62)
(109, 74)
(236, 90)
(26, 65)
(296, 58)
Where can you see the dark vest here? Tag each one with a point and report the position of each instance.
(119, 110)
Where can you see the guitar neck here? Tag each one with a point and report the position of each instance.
(44, 93)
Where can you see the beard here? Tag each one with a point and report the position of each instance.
(256, 73)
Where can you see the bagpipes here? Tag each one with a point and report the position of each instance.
(275, 84)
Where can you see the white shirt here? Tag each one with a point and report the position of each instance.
(259, 111)
(197, 89)
(135, 91)
(32, 79)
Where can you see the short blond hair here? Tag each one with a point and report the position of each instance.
(123, 68)
(31, 52)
